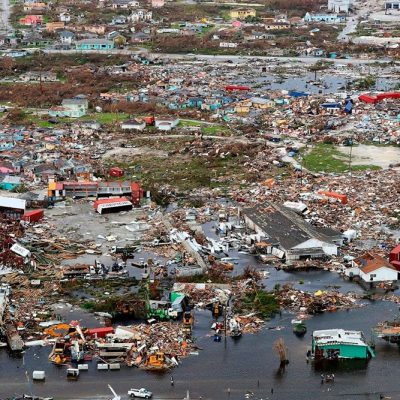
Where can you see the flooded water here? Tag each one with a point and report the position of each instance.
(230, 369)
(249, 364)
(328, 83)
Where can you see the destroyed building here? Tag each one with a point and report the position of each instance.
(291, 236)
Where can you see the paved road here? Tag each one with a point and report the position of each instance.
(216, 59)
(4, 16)
(362, 11)
(350, 27)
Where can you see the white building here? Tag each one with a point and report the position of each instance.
(228, 45)
(166, 124)
(392, 5)
(133, 124)
(140, 15)
(372, 268)
(65, 17)
(338, 6)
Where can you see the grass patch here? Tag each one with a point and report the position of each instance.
(215, 130)
(188, 122)
(206, 129)
(326, 158)
(37, 120)
(103, 118)
(183, 172)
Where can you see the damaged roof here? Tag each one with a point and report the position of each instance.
(285, 226)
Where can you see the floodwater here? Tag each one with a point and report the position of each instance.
(328, 83)
(381, 156)
(248, 364)
(230, 369)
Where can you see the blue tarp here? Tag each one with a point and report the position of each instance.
(295, 93)
(331, 105)
(348, 107)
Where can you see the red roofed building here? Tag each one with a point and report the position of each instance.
(373, 268)
(31, 20)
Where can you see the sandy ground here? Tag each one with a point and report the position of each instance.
(122, 152)
(381, 156)
(391, 16)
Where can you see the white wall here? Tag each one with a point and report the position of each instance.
(382, 274)
(329, 249)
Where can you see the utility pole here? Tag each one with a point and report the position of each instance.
(225, 307)
(350, 156)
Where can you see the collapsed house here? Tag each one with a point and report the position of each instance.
(291, 237)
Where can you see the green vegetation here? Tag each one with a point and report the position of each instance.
(366, 83)
(185, 173)
(167, 144)
(104, 118)
(206, 128)
(215, 130)
(189, 122)
(259, 301)
(326, 158)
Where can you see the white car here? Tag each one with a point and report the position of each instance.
(142, 393)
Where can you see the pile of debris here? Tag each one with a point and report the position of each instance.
(313, 303)
(250, 323)
(203, 294)
(155, 347)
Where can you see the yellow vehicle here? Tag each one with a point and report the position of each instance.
(187, 319)
(156, 362)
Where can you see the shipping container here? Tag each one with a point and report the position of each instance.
(101, 332)
(112, 205)
(33, 216)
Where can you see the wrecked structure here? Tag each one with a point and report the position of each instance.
(291, 238)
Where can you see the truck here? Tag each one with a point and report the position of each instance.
(142, 393)
(126, 252)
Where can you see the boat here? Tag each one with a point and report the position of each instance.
(340, 344)
(235, 328)
(299, 329)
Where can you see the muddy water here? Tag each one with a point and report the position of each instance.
(248, 364)
(330, 83)
(230, 369)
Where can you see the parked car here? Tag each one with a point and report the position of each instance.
(142, 393)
